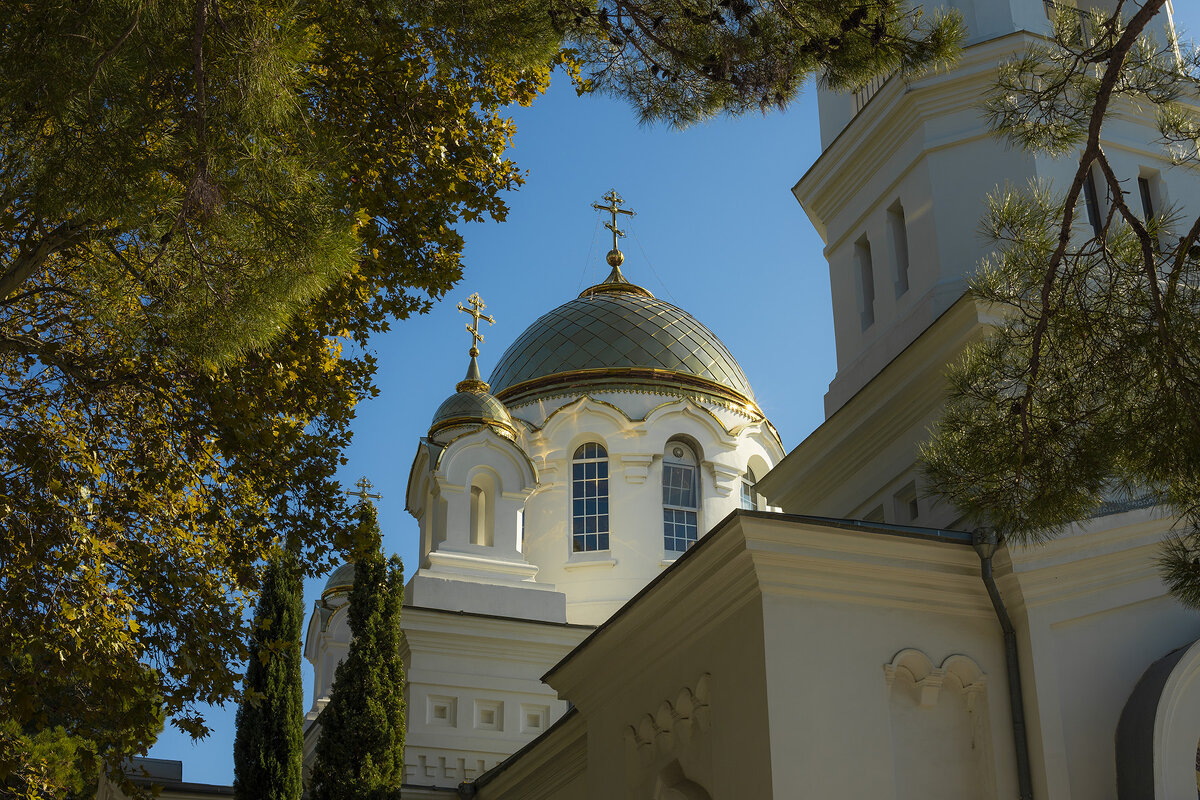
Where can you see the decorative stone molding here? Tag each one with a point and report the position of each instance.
(930, 679)
(636, 467)
(725, 477)
(673, 725)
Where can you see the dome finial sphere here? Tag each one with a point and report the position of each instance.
(615, 258)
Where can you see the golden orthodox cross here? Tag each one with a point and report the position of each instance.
(614, 208)
(476, 307)
(364, 490)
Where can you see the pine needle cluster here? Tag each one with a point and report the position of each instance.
(683, 61)
(1086, 392)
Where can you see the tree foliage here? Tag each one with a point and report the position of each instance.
(1087, 391)
(206, 209)
(268, 747)
(360, 754)
(685, 60)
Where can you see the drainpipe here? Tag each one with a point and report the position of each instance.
(986, 542)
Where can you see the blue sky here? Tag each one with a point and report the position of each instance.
(717, 233)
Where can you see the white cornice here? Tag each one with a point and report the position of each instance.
(866, 568)
(869, 140)
(544, 766)
(753, 555)
(1106, 553)
(903, 393)
(914, 115)
(417, 621)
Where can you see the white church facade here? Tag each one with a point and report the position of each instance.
(628, 589)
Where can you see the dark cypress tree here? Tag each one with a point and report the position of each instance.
(360, 755)
(268, 747)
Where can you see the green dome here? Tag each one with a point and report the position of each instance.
(470, 408)
(471, 405)
(341, 580)
(618, 335)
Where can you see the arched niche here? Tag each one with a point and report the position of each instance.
(581, 421)
(683, 419)
(484, 491)
(941, 745)
(514, 471)
(673, 784)
(1158, 736)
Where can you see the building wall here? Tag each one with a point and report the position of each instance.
(474, 691)
(1093, 615)
(923, 143)
(597, 583)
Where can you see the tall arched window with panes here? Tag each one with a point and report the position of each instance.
(681, 498)
(589, 498)
(749, 495)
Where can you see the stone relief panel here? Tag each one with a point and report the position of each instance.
(669, 750)
(941, 740)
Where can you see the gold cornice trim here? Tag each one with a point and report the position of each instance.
(454, 422)
(437, 462)
(637, 375)
(616, 288)
(472, 385)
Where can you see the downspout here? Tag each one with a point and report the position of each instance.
(986, 542)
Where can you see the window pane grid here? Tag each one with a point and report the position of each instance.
(679, 485)
(589, 499)
(749, 497)
(680, 505)
(679, 529)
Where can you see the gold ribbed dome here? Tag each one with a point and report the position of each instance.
(471, 404)
(618, 335)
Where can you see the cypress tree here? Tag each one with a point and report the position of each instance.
(268, 747)
(360, 755)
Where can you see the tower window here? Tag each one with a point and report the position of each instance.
(749, 495)
(483, 494)
(1147, 198)
(866, 281)
(1091, 202)
(899, 232)
(589, 498)
(905, 504)
(1150, 192)
(680, 498)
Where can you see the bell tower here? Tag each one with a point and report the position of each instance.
(897, 195)
(901, 184)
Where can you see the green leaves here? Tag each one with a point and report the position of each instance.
(199, 204)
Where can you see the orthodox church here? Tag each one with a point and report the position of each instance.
(627, 588)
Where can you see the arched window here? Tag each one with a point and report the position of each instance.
(483, 523)
(749, 494)
(589, 498)
(478, 515)
(681, 498)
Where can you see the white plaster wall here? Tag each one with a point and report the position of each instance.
(727, 755)
(598, 583)
(925, 143)
(1093, 615)
(832, 729)
(472, 664)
